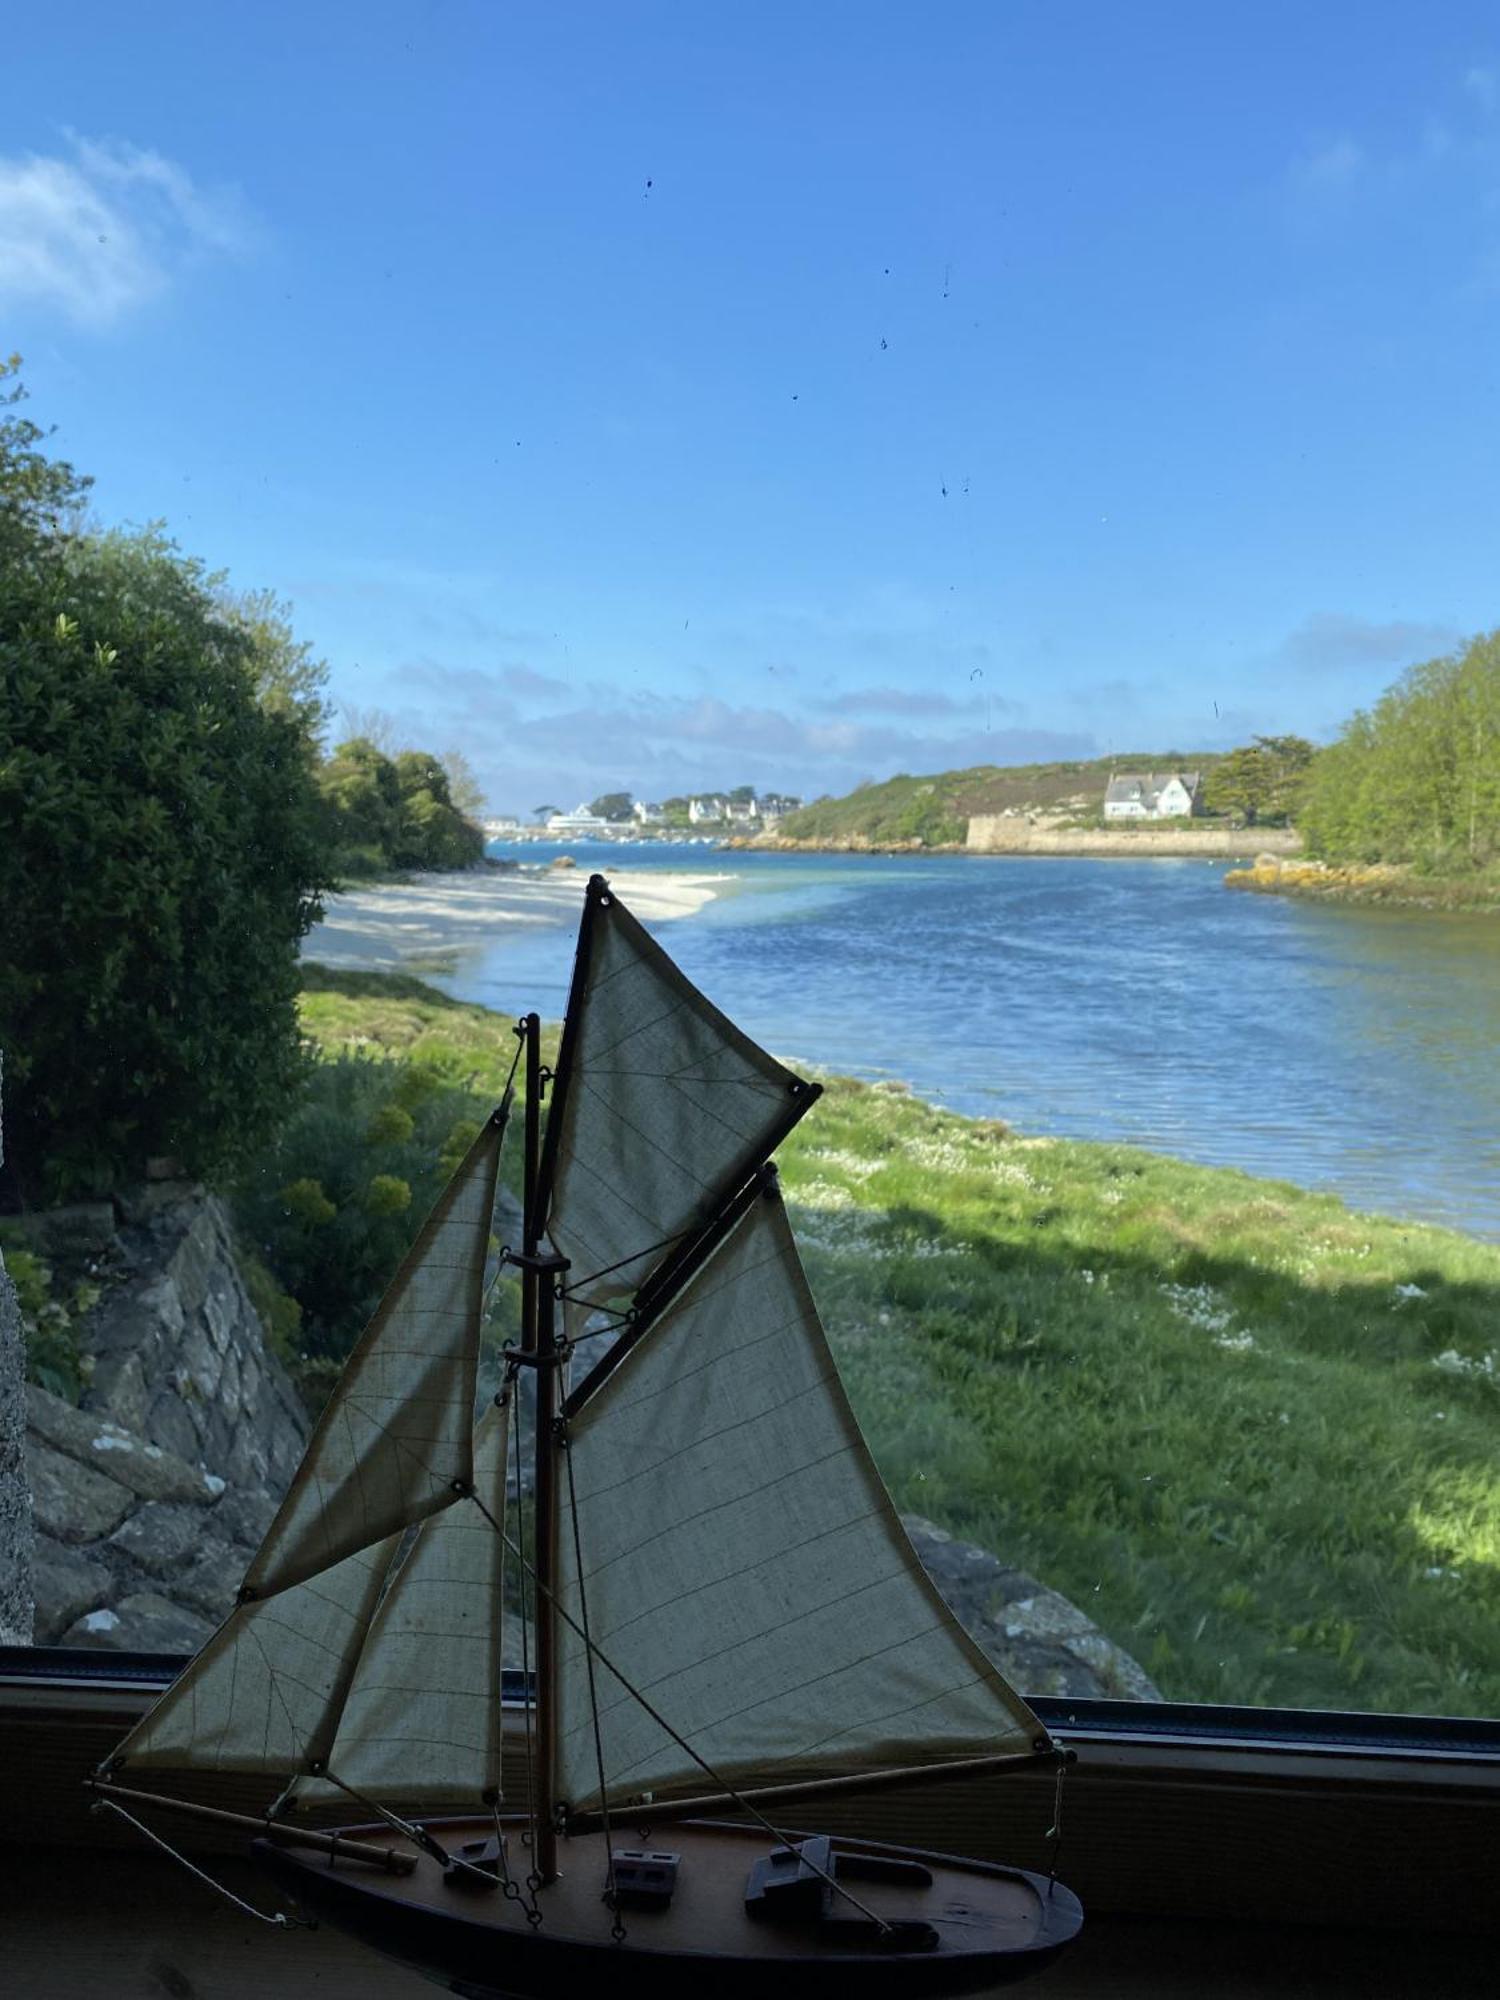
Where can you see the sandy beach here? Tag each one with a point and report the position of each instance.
(426, 923)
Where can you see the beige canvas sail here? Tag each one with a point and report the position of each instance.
(667, 1107)
(743, 1564)
(266, 1692)
(396, 1439)
(421, 1720)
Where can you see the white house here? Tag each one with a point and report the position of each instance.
(740, 812)
(646, 815)
(580, 820)
(705, 809)
(1147, 795)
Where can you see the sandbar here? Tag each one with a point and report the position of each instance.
(419, 923)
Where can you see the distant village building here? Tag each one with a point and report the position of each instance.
(647, 815)
(1147, 795)
(701, 811)
(501, 826)
(739, 812)
(580, 820)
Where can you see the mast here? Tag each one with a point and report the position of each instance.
(538, 1344)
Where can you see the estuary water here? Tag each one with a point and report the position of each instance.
(1137, 1001)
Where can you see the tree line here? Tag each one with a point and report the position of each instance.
(168, 827)
(1415, 780)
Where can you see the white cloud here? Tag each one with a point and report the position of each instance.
(99, 231)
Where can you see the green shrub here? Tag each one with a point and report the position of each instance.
(49, 1324)
(332, 1203)
(161, 859)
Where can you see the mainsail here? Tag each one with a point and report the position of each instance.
(662, 1108)
(743, 1565)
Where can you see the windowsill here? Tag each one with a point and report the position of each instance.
(1271, 1816)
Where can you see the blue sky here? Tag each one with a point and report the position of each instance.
(678, 395)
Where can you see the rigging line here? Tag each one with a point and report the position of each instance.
(411, 1829)
(583, 1608)
(750, 1810)
(279, 1921)
(634, 1258)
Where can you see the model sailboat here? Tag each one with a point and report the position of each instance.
(726, 1615)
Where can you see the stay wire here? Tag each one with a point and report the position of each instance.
(612, 1890)
(751, 1811)
(278, 1921)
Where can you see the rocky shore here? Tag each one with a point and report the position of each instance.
(1385, 887)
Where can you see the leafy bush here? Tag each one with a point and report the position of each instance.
(50, 1312)
(161, 856)
(334, 1200)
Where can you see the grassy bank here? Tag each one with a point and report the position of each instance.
(1248, 1430)
(1392, 888)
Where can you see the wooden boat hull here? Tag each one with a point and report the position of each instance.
(992, 1924)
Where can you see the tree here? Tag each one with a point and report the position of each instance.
(362, 797)
(1416, 779)
(612, 805)
(544, 812)
(40, 497)
(464, 788)
(159, 828)
(1260, 782)
(431, 831)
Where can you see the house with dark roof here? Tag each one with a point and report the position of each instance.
(1153, 795)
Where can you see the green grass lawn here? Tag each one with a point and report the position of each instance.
(1251, 1432)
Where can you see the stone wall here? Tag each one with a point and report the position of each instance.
(1040, 1641)
(1016, 833)
(152, 1496)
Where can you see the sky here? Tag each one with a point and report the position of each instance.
(671, 396)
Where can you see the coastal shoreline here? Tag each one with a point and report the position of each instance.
(1369, 887)
(412, 925)
(1001, 837)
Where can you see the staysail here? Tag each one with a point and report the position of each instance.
(396, 1439)
(662, 1107)
(266, 1692)
(396, 1445)
(421, 1721)
(743, 1565)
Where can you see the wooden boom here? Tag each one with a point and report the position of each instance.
(334, 1845)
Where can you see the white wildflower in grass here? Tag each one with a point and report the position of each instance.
(859, 1166)
(954, 1155)
(1199, 1305)
(1235, 1343)
(1479, 1367)
(1112, 1197)
(827, 1197)
(1405, 1292)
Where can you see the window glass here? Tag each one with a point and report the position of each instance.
(980, 525)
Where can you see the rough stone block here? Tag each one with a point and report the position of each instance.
(144, 1622)
(82, 1229)
(123, 1456)
(244, 1517)
(160, 1536)
(67, 1582)
(72, 1502)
